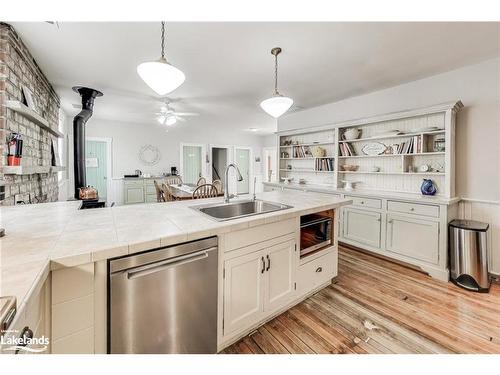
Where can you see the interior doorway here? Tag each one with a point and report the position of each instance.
(220, 156)
(269, 163)
(98, 165)
(242, 158)
(192, 162)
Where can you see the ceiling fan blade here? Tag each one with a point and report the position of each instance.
(187, 114)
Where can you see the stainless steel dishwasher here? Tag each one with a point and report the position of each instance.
(164, 300)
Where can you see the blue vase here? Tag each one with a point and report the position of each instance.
(428, 187)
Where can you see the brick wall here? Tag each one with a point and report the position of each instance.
(18, 69)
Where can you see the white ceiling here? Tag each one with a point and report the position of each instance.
(229, 68)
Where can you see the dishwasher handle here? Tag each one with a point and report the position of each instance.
(148, 269)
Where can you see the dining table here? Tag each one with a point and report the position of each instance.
(185, 191)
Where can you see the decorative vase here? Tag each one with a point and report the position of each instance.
(428, 187)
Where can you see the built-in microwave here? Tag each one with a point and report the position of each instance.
(316, 231)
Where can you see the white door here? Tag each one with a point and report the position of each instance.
(242, 160)
(362, 226)
(280, 275)
(243, 291)
(192, 161)
(415, 238)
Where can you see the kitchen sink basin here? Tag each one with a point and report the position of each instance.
(239, 209)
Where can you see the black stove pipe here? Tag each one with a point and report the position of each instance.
(88, 95)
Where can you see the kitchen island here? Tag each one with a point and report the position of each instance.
(54, 260)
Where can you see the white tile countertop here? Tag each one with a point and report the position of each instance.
(47, 236)
(413, 197)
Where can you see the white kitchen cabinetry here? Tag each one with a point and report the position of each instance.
(243, 296)
(140, 190)
(413, 237)
(362, 226)
(279, 275)
(257, 284)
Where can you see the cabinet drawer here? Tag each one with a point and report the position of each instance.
(365, 202)
(317, 272)
(413, 208)
(134, 183)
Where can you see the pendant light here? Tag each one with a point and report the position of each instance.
(277, 104)
(160, 75)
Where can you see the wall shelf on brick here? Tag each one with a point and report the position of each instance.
(19, 107)
(26, 170)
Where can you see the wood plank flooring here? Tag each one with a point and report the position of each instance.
(377, 306)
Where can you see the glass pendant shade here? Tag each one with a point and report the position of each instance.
(162, 77)
(276, 105)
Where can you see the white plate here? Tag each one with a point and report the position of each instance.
(374, 148)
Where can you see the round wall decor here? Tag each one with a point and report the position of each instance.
(149, 155)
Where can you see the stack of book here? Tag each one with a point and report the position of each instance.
(412, 146)
(301, 152)
(324, 164)
(346, 149)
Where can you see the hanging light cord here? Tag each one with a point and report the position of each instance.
(276, 74)
(162, 39)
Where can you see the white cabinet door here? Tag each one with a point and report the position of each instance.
(280, 275)
(134, 194)
(415, 238)
(243, 291)
(362, 226)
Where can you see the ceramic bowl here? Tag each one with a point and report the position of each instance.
(351, 134)
(349, 167)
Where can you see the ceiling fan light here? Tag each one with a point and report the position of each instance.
(276, 105)
(161, 76)
(170, 120)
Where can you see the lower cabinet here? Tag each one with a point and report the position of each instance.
(134, 194)
(415, 238)
(362, 226)
(256, 284)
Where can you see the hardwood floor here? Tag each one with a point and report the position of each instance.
(377, 306)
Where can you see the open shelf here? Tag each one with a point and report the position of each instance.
(394, 136)
(305, 171)
(26, 170)
(392, 155)
(19, 107)
(396, 173)
(310, 144)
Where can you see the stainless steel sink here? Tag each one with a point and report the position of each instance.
(238, 209)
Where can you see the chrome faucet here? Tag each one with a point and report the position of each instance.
(227, 197)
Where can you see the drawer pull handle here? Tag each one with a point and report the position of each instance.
(319, 269)
(412, 209)
(390, 221)
(362, 202)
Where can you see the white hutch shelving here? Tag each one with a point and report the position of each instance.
(389, 215)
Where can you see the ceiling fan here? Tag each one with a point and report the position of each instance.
(168, 116)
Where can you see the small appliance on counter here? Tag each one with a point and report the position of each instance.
(90, 198)
(173, 171)
(138, 172)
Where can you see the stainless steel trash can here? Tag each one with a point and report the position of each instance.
(469, 254)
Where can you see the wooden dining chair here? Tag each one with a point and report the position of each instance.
(160, 197)
(167, 193)
(218, 185)
(205, 191)
(201, 181)
(173, 180)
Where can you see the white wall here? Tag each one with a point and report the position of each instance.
(127, 138)
(477, 131)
